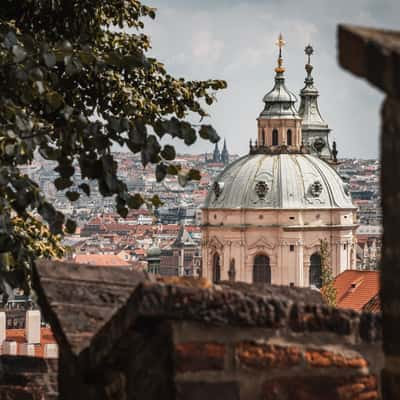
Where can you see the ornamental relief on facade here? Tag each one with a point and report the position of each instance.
(261, 244)
(214, 244)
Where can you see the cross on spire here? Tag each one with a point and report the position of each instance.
(309, 50)
(280, 43)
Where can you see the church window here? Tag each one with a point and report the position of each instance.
(216, 268)
(261, 269)
(315, 270)
(275, 137)
(289, 137)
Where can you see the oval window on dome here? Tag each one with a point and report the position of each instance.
(316, 189)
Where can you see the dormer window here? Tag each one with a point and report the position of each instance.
(275, 137)
(289, 137)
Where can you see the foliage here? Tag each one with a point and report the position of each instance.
(328, 289)
(75, 79)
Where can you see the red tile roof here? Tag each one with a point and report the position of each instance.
(109, 260)
(356, 288)
(18, 335)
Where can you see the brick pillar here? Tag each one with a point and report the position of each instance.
(390, 277)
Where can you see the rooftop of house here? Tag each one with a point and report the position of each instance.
(18, 336)
(355, 289)
(109, 297)
(110, 260)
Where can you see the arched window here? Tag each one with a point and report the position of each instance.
(261, 269)
(232, 271)
(289, 137)
(315, 270)
(275, 137)
(216, 268)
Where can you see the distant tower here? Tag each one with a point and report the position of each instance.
(315, 130)
(225, 154)
(216, 155)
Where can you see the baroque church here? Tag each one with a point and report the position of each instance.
(266, 213)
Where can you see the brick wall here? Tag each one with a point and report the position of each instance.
(252, 363)
(28, 378)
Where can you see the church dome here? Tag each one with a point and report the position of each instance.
(279, 181)
(280, 101)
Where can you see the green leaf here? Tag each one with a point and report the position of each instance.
(62, 183)
(173, 170)
(209, 133)
(135, 201)
(194, 175)
(168, 153)
(189, 134)
(54, 99)
(19, 53)
(85, 188)
(161, 172)
(70, 226)
(156, 201)
(49, 59)
(72, 196)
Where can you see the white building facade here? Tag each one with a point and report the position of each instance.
(267, 212)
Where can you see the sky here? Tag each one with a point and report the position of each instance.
(235, 40)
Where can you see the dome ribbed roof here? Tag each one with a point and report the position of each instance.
(279, 102)
(282, 181)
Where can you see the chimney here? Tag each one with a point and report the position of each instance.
(2, 327)
(27, 349)
(10, 348)
(32, 326)
(50, 350)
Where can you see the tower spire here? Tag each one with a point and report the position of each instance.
(315, 130)
(309, 52)
(280, 43)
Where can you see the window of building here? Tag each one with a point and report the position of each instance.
(315, 276)
(216, 268)
(261, 269)
(291, 247)
(275, 137)
(291, 217)
(232, 271)
(289, 137)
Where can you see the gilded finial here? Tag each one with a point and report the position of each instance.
(280, 43)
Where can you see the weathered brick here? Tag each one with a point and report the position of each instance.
(317, 358)
(253, 355)
(207, 390)
(322, 387)
(191, 357)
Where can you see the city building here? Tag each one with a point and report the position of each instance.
(266, 213)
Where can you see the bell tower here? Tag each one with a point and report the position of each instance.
(315, 130)
(279, 125)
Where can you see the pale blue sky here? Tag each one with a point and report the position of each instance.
(234, 40)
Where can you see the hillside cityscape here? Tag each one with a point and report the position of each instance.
(167, 240)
